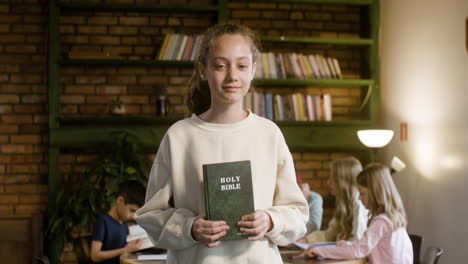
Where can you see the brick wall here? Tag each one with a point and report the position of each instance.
(87, 90)
(23, 109)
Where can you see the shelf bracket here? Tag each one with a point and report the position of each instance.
(366, 99)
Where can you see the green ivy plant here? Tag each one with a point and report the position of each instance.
(80, 200)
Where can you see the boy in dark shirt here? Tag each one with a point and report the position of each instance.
(110, 230)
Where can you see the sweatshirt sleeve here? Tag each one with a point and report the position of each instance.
(166, 226)
(290, 211)
(361, 248)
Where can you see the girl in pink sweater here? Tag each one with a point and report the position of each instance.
(385, 240)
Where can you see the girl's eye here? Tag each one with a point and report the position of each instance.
(243, 66)
(220, 66)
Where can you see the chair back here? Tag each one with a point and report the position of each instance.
(432, 255)
(416, 240)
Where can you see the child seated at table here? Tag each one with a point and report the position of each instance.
(109, 239)
(385, 240)
(350, 219)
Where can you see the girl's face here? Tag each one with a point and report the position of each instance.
(364, 195)
(229, 69)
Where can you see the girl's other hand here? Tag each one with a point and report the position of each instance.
(207, 232)
(308, 253)
(257, 223)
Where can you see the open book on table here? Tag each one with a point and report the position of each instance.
(319, 244)
(137, 232)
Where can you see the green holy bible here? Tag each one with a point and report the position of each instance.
(228, 194)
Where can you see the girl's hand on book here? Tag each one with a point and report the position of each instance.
(207, 232)
(309, 253)
(257, 223)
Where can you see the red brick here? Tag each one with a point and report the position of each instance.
(29, 209)
(104, 40)
(4, 8)
(133, 20)
(123, 30)
(27, 28)
(72, 99)
(16, 88)
(4, 109)
(74, 20)
(9, 68)
(32, 158)
(10, 19)
(93, 109)
(111, 89)
(132, 70)
(75, 39)
(92, 30)
(22, 168)
(34, 98)
(69, 109)
(8, 128)
(135, 99)
(25, 78)
(118, 50)
(25, 139)
(79, 89)
(31, 108)
(90, 79)
(103, 20)
(17, 119)
(98, 99)
(33, 199)
(26, 188)
(9, 148)
(123, 79)
(13, 38)
(6, 210)
(151, 79)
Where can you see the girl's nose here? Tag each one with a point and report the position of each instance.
(233, 75)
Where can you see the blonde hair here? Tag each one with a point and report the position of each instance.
(343, 177)
(198, 98)
(383, 194)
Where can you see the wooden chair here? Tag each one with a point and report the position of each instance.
(432, 255)
(416, 240)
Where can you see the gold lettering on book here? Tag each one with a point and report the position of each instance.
(230, 183)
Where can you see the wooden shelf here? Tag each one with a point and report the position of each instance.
(338, 41)
(344, 2)
(305, 82)
(135, 7)
(102, 62)
(310, 137)
(106, 120)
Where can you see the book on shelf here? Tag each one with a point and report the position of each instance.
(228, 194)
(137, 232)
(179, 47)
(296, 107)
(296, 65)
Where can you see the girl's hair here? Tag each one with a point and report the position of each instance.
(383, 194)
(343, 177)
(198, 98)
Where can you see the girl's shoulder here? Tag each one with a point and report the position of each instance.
(382, 218)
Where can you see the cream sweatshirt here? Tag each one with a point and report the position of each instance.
(177, 175)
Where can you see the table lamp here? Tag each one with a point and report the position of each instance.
(375, 138)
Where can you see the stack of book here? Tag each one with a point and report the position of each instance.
(296, 65)
(294, 107)
(179, 47)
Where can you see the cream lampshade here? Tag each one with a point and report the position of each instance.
(375, 138)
